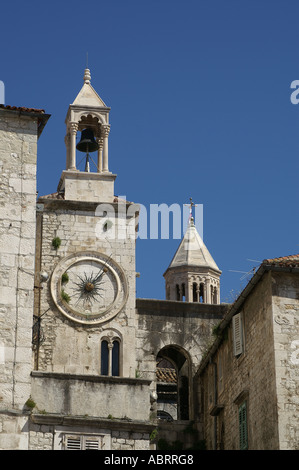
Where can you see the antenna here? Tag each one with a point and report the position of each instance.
(246, 273)
(87, 60)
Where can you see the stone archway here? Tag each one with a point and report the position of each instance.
(173, 378)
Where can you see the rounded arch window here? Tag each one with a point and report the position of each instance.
(110, 357)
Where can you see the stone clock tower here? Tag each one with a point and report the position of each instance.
(84, 332)
(88, 253)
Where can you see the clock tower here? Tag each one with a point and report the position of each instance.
(85, 313)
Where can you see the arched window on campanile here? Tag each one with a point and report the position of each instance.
(110, 357)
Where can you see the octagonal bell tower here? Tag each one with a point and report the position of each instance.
(193, 275)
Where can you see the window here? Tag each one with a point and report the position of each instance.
(82, 442)
(115, 358)
(243, 426)
(238, 334)
(178, 294)
(104, 358)
(110, 357)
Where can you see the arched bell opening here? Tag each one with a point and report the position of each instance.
(88, 135)
(89, 142)
(173, 383)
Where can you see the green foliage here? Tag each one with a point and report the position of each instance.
(30, 403)
(153, 434)
(56, 242)
(65, 296)
(65, 278)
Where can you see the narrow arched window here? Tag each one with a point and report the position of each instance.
(104, 358)
(115, 358)
(110, 358)
(178, 294)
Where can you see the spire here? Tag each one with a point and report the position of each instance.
(193, 274)
(192, 251)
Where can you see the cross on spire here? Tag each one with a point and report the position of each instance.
(191, 205)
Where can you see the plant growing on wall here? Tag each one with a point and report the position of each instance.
(65, 296)
(65, 278)
(56, 242)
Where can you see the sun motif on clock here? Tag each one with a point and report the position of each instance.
(89, 287)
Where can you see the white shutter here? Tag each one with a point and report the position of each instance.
(82, 442)
(237, 334)
(72, 442)
(91, 443)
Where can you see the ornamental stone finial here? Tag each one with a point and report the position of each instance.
(87, 76)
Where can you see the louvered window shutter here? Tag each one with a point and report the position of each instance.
(237, 334)
(243, 427)
(82, 442)
(91, 443)
(72, 442)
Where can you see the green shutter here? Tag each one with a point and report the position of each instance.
(243, 427)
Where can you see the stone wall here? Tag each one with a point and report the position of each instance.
(185, 327)
(285, 288)
(18, 154)
(263, 376)
(116, 435)
(100, 396)
(67, 346)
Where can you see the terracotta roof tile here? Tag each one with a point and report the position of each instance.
(57, 195)
(23, 109)
(292, 260)
(166, 375)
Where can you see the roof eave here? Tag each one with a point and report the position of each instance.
(236, 306)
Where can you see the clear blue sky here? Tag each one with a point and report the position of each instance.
(199, 92)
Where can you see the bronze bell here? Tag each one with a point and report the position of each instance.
(87, 143)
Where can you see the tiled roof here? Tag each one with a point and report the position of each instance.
(57, 195)
(166, 375)
(23, 109)
(292, 260)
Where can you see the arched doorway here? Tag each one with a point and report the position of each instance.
(172, 375)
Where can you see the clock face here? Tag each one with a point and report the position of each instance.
(89, 287)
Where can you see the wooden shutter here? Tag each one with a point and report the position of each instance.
(91, 443)
(82, 442)
(243, 426)
(237, 334)
(72, 442)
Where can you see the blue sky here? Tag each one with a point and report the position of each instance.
(200, 106)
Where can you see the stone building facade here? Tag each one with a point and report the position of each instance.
(20, 129)
(79, 356)
(248, 382)
(86, 365)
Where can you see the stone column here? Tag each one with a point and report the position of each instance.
(198, 291)
(67, 144)
(190, 291)
(110, 346)
(208, 299)
(218, 293)
(105, 131)
(72, 156)
(100, 155)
